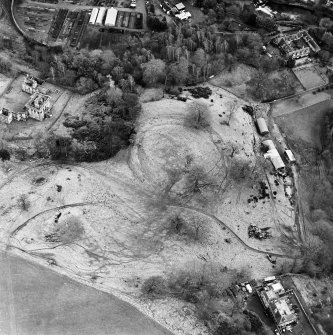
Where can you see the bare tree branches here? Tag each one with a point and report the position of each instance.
(198, 116)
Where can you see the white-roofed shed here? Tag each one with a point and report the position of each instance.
(180, 6)
(111, 17)
(93, 16)
(262, 126)
(100, 16)
(290, 156)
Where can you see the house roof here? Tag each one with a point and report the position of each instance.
(262, 125)
(282, 312)
(180, 6)
(290, 155)
(277, 287)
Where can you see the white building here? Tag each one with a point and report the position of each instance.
(273, 155)
(183, 16)
(180, 6)
(289, 156)
(100, 16)
(93, 16)
(262, 126)
(111, 17)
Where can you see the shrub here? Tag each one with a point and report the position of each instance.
(4, 155)
(23, 202)
(67, 231)
(21, 154)
(154, 287)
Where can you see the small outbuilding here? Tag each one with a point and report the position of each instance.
(93, 15)
(6, 116)
(262, 126)
(289, 156)
(180, 6)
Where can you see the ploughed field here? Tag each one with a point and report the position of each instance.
(35, 300)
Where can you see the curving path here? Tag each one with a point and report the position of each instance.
(192, 209)
(221, 223)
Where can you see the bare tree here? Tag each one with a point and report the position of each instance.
(232, 109)
(197, 181)
(198, 116)
(23, 202)
(176, 224)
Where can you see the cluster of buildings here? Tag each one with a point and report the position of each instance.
(178, 10)
(271, 152)
(38, 107)
(296, 45)
(277, 302)
(98, 14)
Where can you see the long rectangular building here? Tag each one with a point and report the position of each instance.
(93, 16)
(111, 17)
(100, 16)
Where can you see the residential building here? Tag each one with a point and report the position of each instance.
(276, 301)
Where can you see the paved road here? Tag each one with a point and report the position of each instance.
(37, 301)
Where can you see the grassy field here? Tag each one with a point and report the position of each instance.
(305, 123)
(44, 302)
(309, 76)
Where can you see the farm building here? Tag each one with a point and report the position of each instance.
(180, 6)
(38, 106)
(93, 16)
(111, 17)
(273, 155)
(29, 84)
(262, 126)
(289, 156)
(100, 16)
(275, 300)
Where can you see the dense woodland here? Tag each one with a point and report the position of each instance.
(187, 53)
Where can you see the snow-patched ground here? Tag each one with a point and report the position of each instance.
(120, 235)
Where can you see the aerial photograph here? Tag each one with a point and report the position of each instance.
(166, 167)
